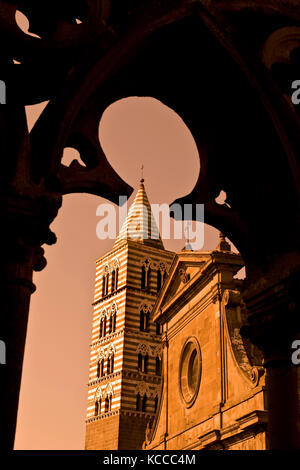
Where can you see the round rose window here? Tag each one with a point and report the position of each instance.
(190, 371)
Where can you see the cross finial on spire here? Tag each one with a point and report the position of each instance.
(142, 173)
(188, 246)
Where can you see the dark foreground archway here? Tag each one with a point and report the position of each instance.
(213, 66)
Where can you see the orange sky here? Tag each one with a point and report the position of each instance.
(55, 373)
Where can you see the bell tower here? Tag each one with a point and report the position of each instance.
(125, 356)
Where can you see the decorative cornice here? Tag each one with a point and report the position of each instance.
(140, 414)
(102, 416)
(108, 338)
(99, 380)
(137, 414)
(210, 437)
(129, 374)
(140, 376)
(111, 294)
(111, 252)
(147, 291)
(251, 422)
(143, 335)
(253, 419)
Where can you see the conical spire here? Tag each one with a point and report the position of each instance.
(140, 225)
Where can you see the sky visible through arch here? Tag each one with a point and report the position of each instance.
(133, 131)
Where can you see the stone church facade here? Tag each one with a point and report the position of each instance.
(168, 367)
(213, 390)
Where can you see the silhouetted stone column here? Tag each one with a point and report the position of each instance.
(17, 288)
(25, 228)
(281, 382)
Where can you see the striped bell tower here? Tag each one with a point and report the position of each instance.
(125, 357)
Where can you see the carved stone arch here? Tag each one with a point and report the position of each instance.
(103, 314)
(56, 123)
(143, 349)
(112, 316)
(108, 312)
(106, 269)
(145, 306)
(101, 354)
(147, 262)
(236, 224)
(113, 308)
(110, 350)
(286, 9)
(143, 389)
(98, 394)
(155, 391)
(279, 45)
(144, 312)
(116, 263)
(157, 350)
(109, 391)
(162, 267)
(280, 54)
(76, 99)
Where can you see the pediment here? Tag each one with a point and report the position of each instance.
(181, 274)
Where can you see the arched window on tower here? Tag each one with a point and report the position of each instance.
(146, 360)
(105, 281)
(144, 403)
(146, 273)
(143, 282)
(155, 403)
(114, 321)
(103, 285)
(140, 362)
(143, 363)
(98, 397)
(138, 402)
(157, 365)
(161, 275)
(102, 326)
(100, 368)
(112, 318)
(115, 277)
(144, 317)
(98, 407)
(159, 280)
(107, 405)
(110, 364)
